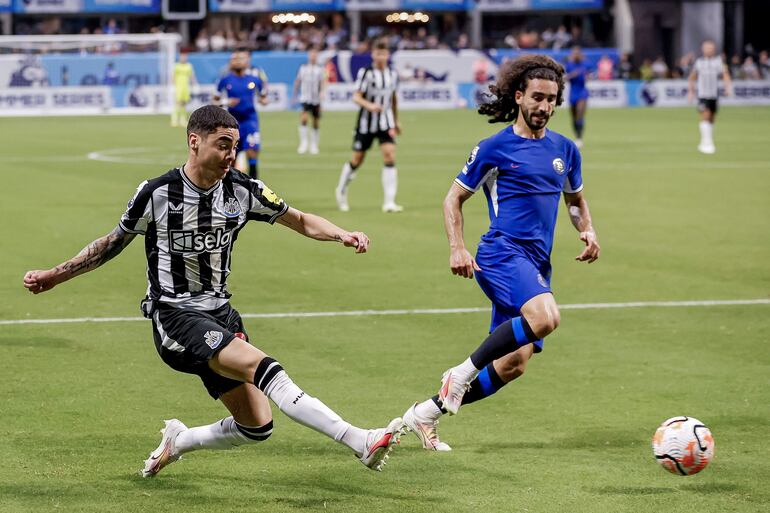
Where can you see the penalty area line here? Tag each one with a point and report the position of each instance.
(418, 311)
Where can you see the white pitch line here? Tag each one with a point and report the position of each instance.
(418, 311)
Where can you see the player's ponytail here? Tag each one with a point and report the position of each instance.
(515, 76)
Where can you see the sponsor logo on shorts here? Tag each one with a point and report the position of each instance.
(541, 280)
(213, 338)
(232, 208)
(558, 166)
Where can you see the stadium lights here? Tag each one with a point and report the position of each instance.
(401, 17)
(290, 17)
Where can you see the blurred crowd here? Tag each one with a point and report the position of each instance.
(333, 35)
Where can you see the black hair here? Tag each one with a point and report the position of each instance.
(515, 76)
(207, 119)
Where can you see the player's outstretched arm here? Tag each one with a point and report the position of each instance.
(577, 206)
(461, 262)
(92, 256)
(318, 228)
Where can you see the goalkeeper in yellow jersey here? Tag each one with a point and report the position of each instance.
(184, 78)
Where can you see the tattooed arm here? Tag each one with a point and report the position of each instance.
(92, 256)
(581, 220)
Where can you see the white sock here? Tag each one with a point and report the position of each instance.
(346, 176)
(466, 371)
(310, 412)
(389, 184)
(221, 435)
(706, 133)
(428, 410)
(303, 135)
(314, 137)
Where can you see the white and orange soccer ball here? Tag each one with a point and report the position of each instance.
(683, 445)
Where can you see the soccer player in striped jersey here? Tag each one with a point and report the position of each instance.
(311, 84)
(239, 87)
(705, 77)
(190, 218)
(524, 170)
(377, 119)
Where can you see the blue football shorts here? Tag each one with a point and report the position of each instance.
(576, 95)
(249, 132)
(509, 278)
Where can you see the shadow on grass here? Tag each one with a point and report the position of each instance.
(35, 342)
(305, 489)
(631, 490)
(590, 439)
(712, 487)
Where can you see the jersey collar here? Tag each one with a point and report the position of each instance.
(194, 187)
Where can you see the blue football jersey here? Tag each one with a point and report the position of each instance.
(580, 70)
(523, 180)
(244, 88)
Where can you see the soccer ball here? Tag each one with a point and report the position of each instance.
(683, 445)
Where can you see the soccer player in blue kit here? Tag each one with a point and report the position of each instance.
(577, 72)
(524, 169)
(240, 87)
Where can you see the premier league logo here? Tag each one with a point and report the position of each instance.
(472, 156)
(558, 166)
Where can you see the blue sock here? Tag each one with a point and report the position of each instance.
(506, 338)
(579, 128)
(485, 384)
(253, 168)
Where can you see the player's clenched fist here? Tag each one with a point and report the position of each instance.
(39, 281)
(357, 240)
(462, 263)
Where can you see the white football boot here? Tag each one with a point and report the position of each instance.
(165, 454)
(425, 430)
(342, 200)
(452, 391)
(379, 444)
(392, 207)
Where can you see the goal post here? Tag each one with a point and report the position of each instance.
(87, 74)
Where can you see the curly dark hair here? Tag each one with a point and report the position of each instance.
(515, 76)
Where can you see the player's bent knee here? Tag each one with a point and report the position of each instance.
(256, 434)
(545, 323)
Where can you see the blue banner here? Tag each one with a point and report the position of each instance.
(83, 6)
(122, 6)
(566, 4)
(308, 5)
(6, 6)
(437, 5)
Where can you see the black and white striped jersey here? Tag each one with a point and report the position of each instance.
(377, 86)
(709, 70)
(189, 233)
(311, 77)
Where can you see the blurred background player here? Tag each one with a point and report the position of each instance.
(311, 84)
(184, 80)
(577, 72)
(524, 169)
(705, 77)
(240, 86)
(377, 119)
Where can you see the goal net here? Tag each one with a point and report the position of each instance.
(87, 74)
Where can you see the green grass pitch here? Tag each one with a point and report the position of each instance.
(82, 402)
